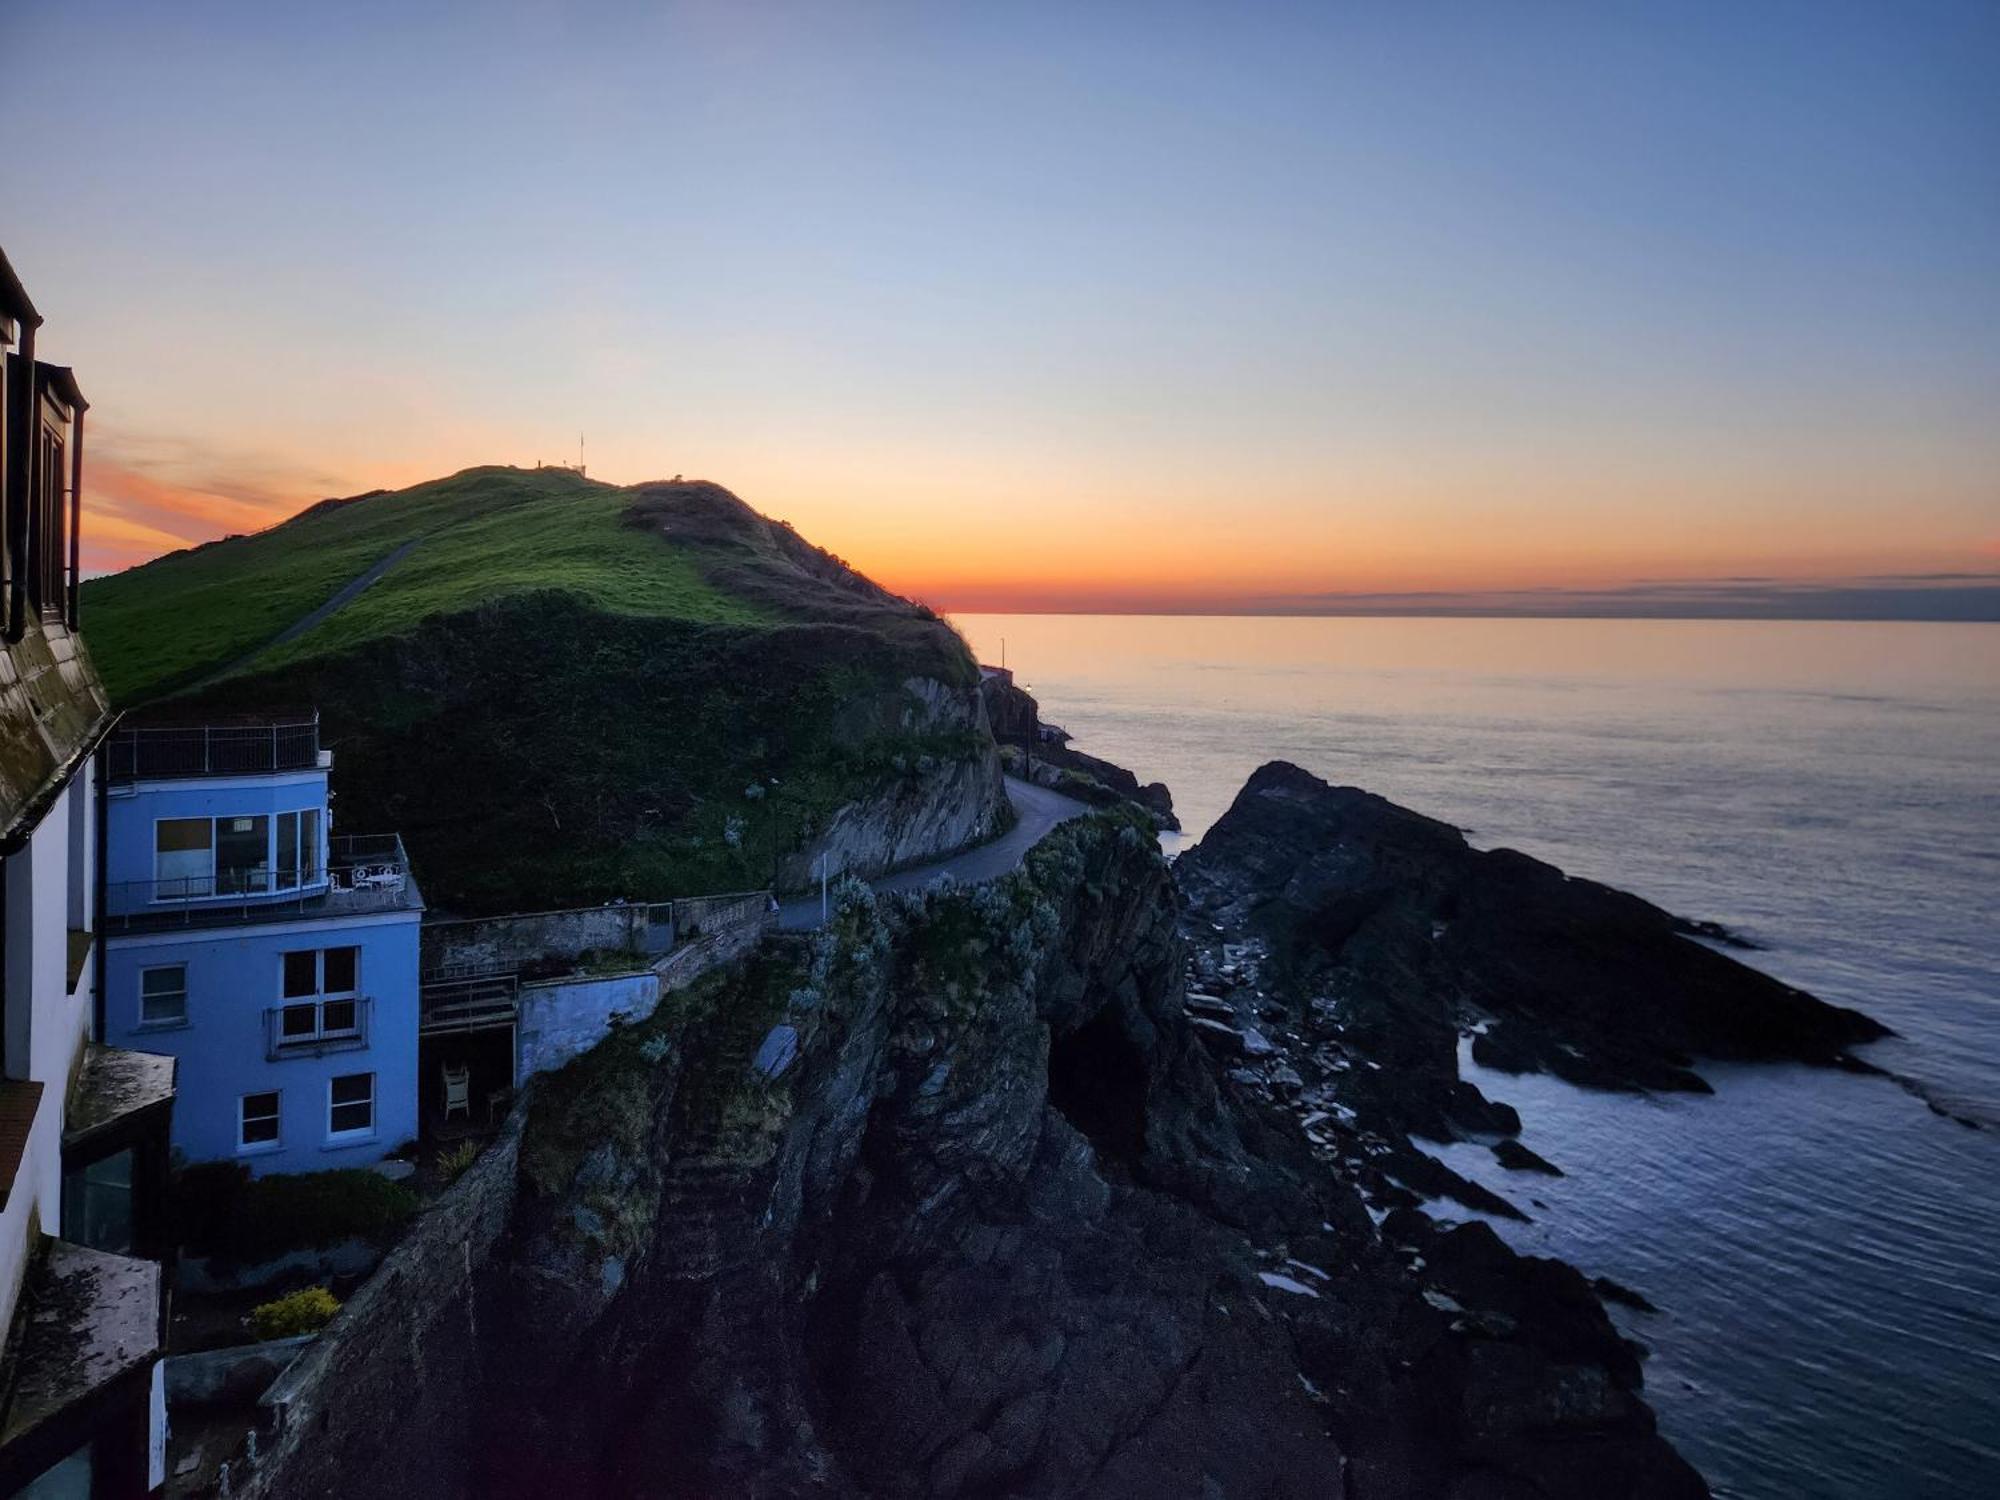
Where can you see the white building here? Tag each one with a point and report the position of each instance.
(83, 1128)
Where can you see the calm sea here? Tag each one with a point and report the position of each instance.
(1824, 1248)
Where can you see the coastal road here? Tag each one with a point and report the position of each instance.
(1036, 809)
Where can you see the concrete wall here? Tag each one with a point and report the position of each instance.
(377, 1405)
(482, 944)
(565, 1018)
(234, 975)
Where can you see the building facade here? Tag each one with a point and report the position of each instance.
(83, 1126)
(277, 960)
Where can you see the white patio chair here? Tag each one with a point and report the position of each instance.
(458, 1091)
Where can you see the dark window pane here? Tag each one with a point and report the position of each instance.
(351, 1087)
(302, 973)
(341, 967)
(337, 1016)
(260, 1118)
(299, 1020)
(242, 854)
(288, 850)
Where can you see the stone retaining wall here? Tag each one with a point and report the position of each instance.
(489, 944)
(375, 1406)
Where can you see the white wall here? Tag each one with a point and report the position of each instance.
(46, 1024)
(565, 1018)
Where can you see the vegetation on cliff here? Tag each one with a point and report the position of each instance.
(560, 691)
(948, 1201)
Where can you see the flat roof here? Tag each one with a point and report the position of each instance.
(114, 1085)
(85, 1319)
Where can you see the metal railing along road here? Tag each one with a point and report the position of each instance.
(139, 753)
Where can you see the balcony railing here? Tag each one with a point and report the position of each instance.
(310, 1028)
(214, 749)
(469, 1002)
(363, 873)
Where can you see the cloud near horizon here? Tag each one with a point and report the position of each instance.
(144, 497)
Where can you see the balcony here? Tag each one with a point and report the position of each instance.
(315, 1027)
(242, 748)
(471, 1002)
(364, 874)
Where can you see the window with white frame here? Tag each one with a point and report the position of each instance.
(350, 1108)
(257, 1121)
(163, 995)
(321, 995)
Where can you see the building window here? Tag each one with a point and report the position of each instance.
(211, 856)
(321, 1002)
(298, 849)
(163, 995)
(257, 1121)
(322, 971)
(184, 857)
(351, 1105)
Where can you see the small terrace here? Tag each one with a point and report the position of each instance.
(234, 747)
(364, 874)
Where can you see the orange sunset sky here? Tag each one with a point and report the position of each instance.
(1032, 310)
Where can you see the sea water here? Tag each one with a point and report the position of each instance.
(1824, 1248)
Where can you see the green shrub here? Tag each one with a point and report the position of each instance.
(452, 1164)
(307, 1310)
(247, 1220)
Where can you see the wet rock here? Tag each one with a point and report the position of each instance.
(1516, 1157)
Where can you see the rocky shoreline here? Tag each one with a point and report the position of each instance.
(1101, 1179)
(1371, 944)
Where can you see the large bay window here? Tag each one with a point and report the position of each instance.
(211, 856)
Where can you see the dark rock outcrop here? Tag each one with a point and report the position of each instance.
(1016, 720)
(1000, 1225)
(1411, 934)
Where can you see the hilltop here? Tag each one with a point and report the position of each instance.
(562, 690)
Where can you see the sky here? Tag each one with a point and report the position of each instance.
(1108, 306)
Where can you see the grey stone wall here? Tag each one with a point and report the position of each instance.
(721, 936)
(481, 944)
(377, 1405)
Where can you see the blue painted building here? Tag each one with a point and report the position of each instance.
(275, 958)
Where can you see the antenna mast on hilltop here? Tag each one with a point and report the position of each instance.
(579, 456)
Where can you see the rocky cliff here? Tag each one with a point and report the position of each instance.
(954, 1201)
(1050, 761)
(938, 791)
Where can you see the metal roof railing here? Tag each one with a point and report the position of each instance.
(239, 749)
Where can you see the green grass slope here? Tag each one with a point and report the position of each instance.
(480, 535)
(565, 691)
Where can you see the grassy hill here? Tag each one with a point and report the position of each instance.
(562, 690)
